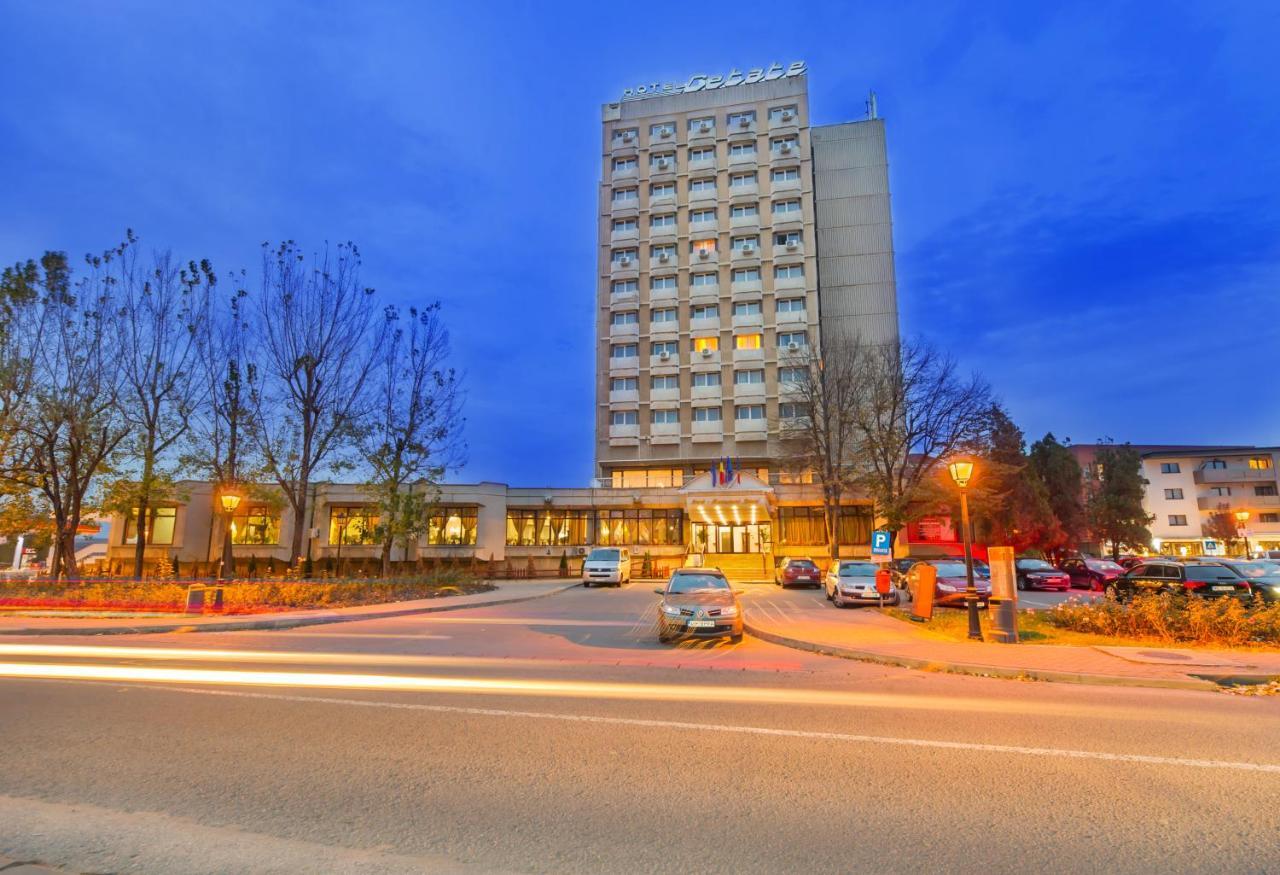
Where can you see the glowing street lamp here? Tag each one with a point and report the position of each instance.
(230, 501)
(962, 473)
(1242, 517)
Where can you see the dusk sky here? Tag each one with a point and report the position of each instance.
(1086, 197)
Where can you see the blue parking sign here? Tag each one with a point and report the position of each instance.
(879, 543)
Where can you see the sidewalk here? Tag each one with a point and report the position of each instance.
(868, 635)
(507, 592)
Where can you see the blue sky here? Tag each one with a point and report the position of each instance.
(1086, 197)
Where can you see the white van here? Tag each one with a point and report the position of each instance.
(607, 565)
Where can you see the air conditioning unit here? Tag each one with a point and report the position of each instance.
(664, 133)
(786, 149)
(624, 262)
(748, 250)
(664, 355)
(704, 253)
(706, 353)
(704, 128)
(788, 116)
(628, 137)
(664, 258)
(793, 347)
(663, 164)
(792, 245)
(744, 123)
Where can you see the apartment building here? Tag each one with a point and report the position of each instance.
(1187, 485)
(736, 238)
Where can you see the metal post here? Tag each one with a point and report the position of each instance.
(970, 591)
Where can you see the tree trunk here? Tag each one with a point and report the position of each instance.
(68, 552)
(299, 527)
(386, 558)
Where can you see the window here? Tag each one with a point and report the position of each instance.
(662, 282)
(621, 255)
(666, 220)
(741, 150)
(659, 347)
(621, 225)
(788, 271)
(742, 180)
(623, 417)
(704, 279)
(746, 274)
(160, 529)
(791, 375)
(787, 238)
(1173, 494)
(785, 174)
(641, 526)
(702, 215)
(620, 164)
(661, 128)
(1214, 465)
(1170, 468)
(791, 305)
(662, 251)
(741, 244)
(706, 183)
(1269, 489)
(703, 153)
(664, 417)
(747, 341)
(698, 246)
(662, 189)
(782, 208)
(662, 161)
(670, 381)
(748, 412)
(629, 317)
(1260, 463)
(706, 125)
(783, 145)
(706, 344)
(743, 211)
(1269, 517)
(706, 311)
(624, 135)
(626, 195)
(353, 524)
(255, 524)
(1220, 490)
(736, 119)
(748, 378)
(626, 287)
(554, 527)
(451, 526)
(624, 384)
(664, 314)
(746, 308)
(1177, 519)
(802, 525)
(799, 338)
(783, 114)
(707, 380)
(624, 350)
(792, 410)
(706, 414)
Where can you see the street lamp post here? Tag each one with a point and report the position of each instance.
(961, 473)
(230, 500)
(1242, 517)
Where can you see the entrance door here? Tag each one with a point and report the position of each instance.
(747, 538)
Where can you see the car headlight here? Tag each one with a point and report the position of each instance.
(730, 611)
(671, 610)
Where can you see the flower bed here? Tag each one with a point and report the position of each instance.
(1211, 622)
(239, 597)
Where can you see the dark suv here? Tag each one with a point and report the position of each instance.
(1199, 579)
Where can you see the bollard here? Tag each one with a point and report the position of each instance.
(195, 598)
(1004, 595)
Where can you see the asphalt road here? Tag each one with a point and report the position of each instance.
(558, 736)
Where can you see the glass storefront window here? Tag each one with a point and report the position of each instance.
(256, 525)
(353, 524)
(160, 529)
(451, 526)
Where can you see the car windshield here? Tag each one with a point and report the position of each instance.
(1210, 572)
(1034, 565)
(603, 556)
(686, 583)
(859, 569)
(1258, 569)
(1102, 565)
(949, 569)
(801, 563)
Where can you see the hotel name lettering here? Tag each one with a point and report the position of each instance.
(703, 82)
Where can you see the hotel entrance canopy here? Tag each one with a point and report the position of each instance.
(732, 518)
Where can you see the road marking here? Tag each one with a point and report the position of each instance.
(928, 743)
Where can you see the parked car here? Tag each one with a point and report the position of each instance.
(1127, 562)
(951, 582)
(1263, 576)
(796, 570)
(1038, 574)
(698, 603)
(610, 565)
(853, 582)
(898, 569)
(1196, 579)
(1090, 573)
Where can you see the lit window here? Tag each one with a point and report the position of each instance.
(707, 380)
(788, 271)
(783, 207)
(746, 274)
(160, 530)
(707, 183)
(353, 525)
(623, 417)
(742, 180)
(791, 305)
(626, 287)
(704, 279)
(1260, 463)
(706, 414)
(782, 113)
(742, 119)
(662, 282)
(794, 338)
(703, 153)
(255, 525)
(748, 341)
(629, 317)
(705, 125)
(748, 378)
(708, 245)
(625, 195)
(624, 350)
(741, 150)
(706, 344)
(661, 347)
(662, 129)
(664, 314)
(702, 215)
(664, 417)
(706, 311)
(748, 412)
(451, 525)
(623, 384)
(747, 308)
(669, 381)
(785, 174)
(621, 164)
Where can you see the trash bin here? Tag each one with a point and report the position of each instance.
(922, 597)
(213, 599)
(1004, 594)
(195, 598)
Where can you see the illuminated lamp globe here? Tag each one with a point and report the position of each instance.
(961, 472)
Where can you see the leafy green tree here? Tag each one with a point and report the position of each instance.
(1010, 503)
(1222, 526)
(1115, 506)
(1057, 469)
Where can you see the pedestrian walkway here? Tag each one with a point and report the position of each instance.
(506, 592)
(808, 623)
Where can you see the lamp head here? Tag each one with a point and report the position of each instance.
(230, 501)
(1242, 516)
(961, 472)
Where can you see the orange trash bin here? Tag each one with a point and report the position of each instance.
(922, 597)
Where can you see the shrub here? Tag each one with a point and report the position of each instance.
(1225, 622)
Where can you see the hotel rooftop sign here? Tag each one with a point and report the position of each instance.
(704, 82)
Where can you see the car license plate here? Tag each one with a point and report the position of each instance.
(982, 604)
(701, 624)
(1223, 588)
(803, 577)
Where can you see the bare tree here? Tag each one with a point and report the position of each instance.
(413, 435)
(316, 355)
(822, 437)
(915, 411)
(161, 314)
(70, 426)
